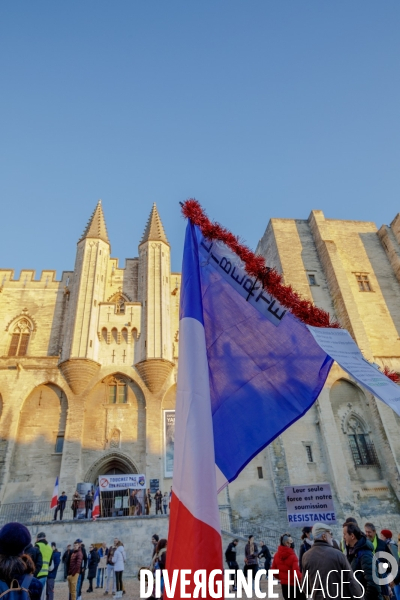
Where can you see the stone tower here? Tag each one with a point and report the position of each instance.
(80, 347)
(155, 295)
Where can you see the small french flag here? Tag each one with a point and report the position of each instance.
(54, 499)
(96, 505)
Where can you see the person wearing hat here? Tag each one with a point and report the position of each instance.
(386, 536)
(15, 564)
(47, 552)
(323, 559)
(307, 538)
(390, 546)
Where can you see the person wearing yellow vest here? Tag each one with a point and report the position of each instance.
(379, 546)
(47, 552)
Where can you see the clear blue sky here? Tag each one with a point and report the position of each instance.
(259, 109)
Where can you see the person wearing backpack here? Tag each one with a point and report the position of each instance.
(16, 567)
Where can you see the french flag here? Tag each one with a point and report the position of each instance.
(96, 505)
(247, 370)
(54, 498)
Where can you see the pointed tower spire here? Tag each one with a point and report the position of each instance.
(96, 227)
(154, 229)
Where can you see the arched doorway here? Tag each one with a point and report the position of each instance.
(39, 441)
(112, 503)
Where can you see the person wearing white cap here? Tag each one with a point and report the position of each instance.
(323, 559)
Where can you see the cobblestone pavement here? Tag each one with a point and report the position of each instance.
(131, 587)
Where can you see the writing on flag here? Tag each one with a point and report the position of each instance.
(229, 265)
(340, 346)
(265, 368)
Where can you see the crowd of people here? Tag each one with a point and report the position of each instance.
(104, 564)
(324, 565)
(162, 502)
(315, 572)
(75, 505)
(35, 566)
(137, 507)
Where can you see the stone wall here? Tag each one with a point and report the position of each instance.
(135, 534)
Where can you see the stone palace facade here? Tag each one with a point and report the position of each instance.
(88, 369)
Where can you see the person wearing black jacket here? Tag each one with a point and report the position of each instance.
(88, 503)
(14, 562)
(230, 557)
(93, 561)
(362, 560)
(266, 555)
(306, 544)
(158, 501)
(61, 503)
(36, 556)
(65, 560)
(379, 546)
(83, 569)
(51, 578)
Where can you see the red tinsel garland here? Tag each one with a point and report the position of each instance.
(270, 278)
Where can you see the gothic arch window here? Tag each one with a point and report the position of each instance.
(134, 334)
(361, 446)
(120, 300)
(20, 338)
(120, 305)
(117, 391)
(114, 334)
(124, 333)
(104, 334)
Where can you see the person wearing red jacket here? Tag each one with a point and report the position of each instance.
(287, 563)
(74, 569)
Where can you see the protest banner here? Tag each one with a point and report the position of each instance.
(310, 503)
(108, 483)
